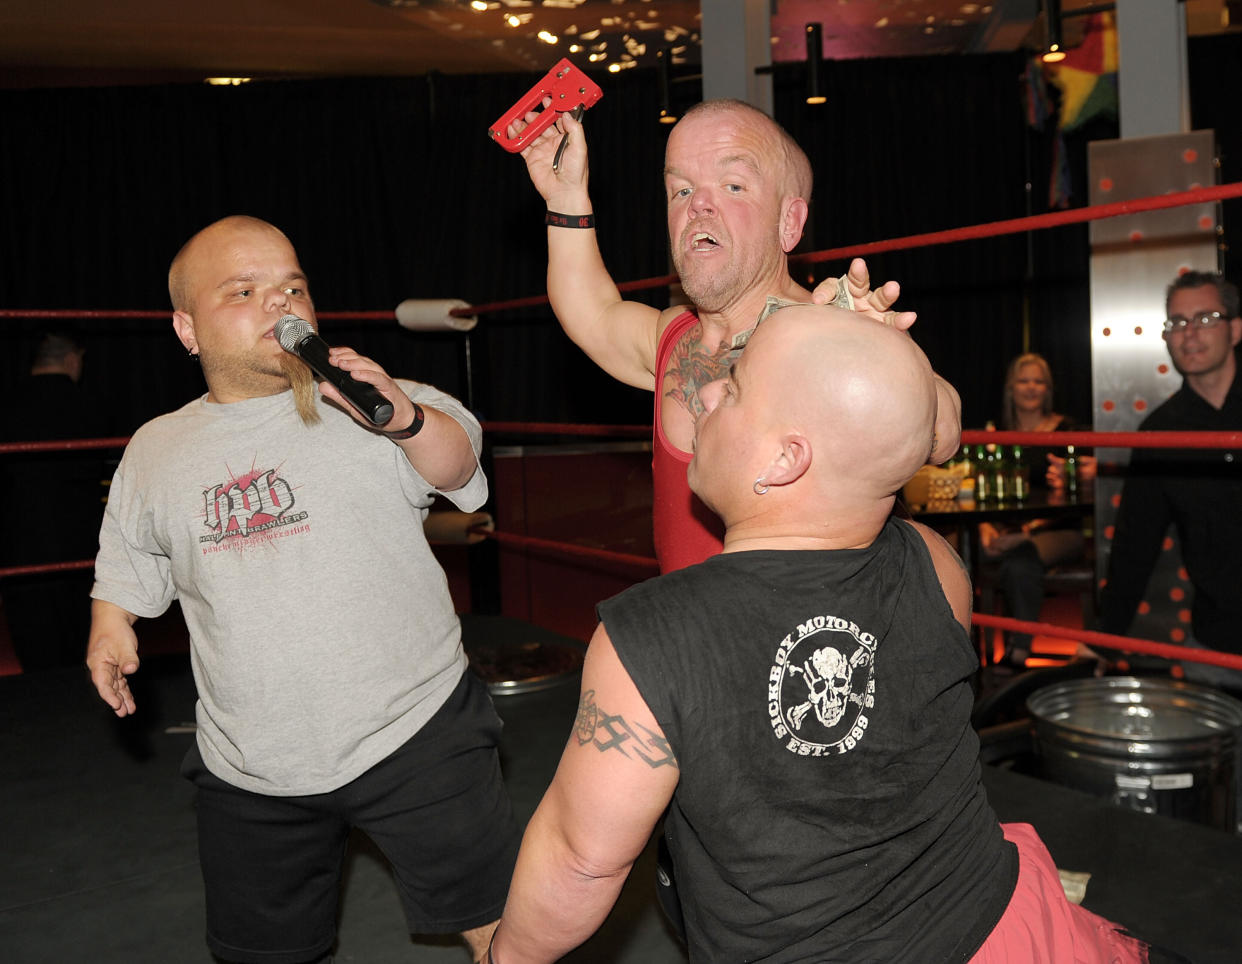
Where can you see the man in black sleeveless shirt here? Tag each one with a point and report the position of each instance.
(800, 703)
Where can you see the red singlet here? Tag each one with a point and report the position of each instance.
(685, 530)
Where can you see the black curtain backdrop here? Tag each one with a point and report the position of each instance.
(390, 189)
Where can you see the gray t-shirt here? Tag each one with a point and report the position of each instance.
(322, 631)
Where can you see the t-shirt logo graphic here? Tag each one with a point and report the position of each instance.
(821, 685)
(255, 503)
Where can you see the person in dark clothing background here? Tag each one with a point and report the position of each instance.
(1198, 491)
(51, 504)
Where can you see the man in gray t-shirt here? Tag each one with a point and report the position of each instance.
(332, 683)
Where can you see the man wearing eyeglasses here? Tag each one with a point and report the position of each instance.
(1197, 490)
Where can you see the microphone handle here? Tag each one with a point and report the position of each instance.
(365, 398)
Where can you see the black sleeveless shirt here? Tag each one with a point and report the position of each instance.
(829, 806)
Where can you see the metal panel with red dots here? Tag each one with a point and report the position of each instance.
(1133, 260)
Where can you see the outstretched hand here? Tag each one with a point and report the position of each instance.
(876, 304)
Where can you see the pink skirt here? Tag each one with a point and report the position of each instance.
(1040, 926)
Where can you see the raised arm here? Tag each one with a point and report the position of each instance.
(620, 336)
(615, 778)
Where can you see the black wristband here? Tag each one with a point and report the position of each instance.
(410, 430)
(569, 220)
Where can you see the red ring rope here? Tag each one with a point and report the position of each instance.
(47, 567)
(566, 428)
(1109, 641)
(1034, 222)
(523, 428)
(52, 314)
(1136, 440)
(568, 549)
(1133, 440)
(64, 445)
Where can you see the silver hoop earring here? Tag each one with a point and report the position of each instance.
(759, 487)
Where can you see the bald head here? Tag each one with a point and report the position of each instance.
(795, 168)
(863, 389)
(826, 409)
(203, 246)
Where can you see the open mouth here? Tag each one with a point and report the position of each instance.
(702, 241)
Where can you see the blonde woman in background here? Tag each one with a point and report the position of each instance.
(1024, 553)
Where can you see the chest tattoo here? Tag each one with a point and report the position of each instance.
(694, 364)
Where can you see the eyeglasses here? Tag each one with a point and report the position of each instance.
(1199, 321)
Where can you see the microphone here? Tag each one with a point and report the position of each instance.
(297, 337)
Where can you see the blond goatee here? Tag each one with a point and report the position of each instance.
(302, 381)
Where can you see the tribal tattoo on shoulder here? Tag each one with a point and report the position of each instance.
(692, 365)
(604, 731)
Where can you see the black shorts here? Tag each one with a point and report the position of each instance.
(436, 808)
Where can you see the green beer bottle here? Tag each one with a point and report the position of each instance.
(983, 474)
(1020, 485)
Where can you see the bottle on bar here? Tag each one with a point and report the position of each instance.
(983, 474)
(966, 474)
(1021, 485)
(963, 456)
(1071, 472)
(1002, 478)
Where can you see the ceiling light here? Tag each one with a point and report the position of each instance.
(513, 20)
(814, 59)
(547, 38)
(1052, 32)
(663, 59)
(226, 81)
(479, 5)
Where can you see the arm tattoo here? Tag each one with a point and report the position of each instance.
(692, 366)
(595, 727)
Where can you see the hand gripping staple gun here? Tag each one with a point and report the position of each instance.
(568, 89)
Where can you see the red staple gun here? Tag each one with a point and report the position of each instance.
(569, 89)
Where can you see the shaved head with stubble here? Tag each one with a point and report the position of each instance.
(822, 420)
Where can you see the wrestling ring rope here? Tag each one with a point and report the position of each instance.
(644, 566)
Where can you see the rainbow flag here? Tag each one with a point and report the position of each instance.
(1087, 77)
